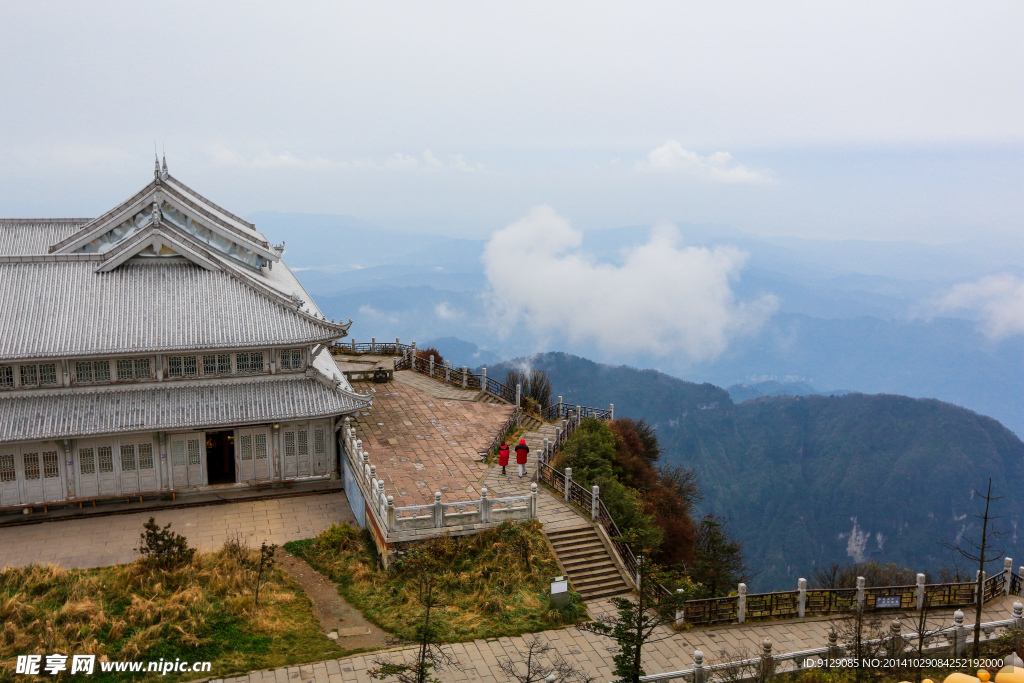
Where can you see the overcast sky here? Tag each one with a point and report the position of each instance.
(874, 120)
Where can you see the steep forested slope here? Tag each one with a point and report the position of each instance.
(819, 479)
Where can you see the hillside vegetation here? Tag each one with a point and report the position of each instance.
(813, 480)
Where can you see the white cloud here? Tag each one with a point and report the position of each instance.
(664, 299)
(718, 167)
(444, 311)
(997, 300)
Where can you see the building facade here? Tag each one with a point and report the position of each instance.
(163, 346)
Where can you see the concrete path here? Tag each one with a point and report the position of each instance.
(590, 653)
(98, 542)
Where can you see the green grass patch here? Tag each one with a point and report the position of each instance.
(202, 611)
(496, 582)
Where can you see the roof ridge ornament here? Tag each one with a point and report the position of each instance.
(156, 166)
(163, 172)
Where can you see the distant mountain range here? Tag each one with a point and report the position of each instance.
(811, 480)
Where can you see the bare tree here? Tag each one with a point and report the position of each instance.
(860, 632)
(980, 551)
(424, 570)
(534, 668)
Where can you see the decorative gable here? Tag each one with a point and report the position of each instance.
(169, 202)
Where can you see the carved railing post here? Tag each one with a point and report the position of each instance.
(533, 501)
(698, 667)
(681, 611)
(559, 407)
(741, 603)
(568, 483)
(485, 507)
(767, 661)
(438, 511)
(545, 451)
(519, 394)
(1007, 570)
(353, 344)
(611, 411)
(465, 376)
(431, 365)
(595, 501)
(801, 597)
(919, 593)
(833, 647)
(860, 593)
(483, 379)
(448, 372)
(1018, 615)
(373, 345)
(894, 646)
(959, 633)
(391, 512)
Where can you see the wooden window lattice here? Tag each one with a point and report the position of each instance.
(125, 369)
(261, 446)
(7, 467)
(217, 364)
(83, 372)
(51, 466)
(29, 376)
(128, 457)
(31, 463)
(48, 373)
(87, 461)
(145, 456)
(6, 377)
(291, 359)
(246, 447)
(106, 459)
(193, 452)
(101, 370)
(318, 442)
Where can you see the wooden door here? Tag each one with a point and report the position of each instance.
(246, 468)
(33, 473)
(302, 451)
(179, 469)
(148, 479)
(290, 467)
(10, 494)
(105, 473)
(261, 453)
(53, 482)
(319, 451)
(129, 468)
(88, 484)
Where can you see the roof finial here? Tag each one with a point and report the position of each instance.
(163, 173)
(156, 163)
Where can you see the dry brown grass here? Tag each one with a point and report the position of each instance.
(495, 583)
(202, 611)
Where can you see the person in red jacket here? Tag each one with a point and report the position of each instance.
(522, 450)
(503, 456)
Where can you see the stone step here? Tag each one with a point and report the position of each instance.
(587, 563)
(577, 534)
(579, 546)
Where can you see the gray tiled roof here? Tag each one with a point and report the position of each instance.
(34, 236)
(54, 309)
(72, 413)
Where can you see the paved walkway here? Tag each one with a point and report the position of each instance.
(98, 542)
(590, 653)
(425, 436)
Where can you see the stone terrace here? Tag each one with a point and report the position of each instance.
(424, 436)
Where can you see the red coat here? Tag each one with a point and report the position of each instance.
(503, 455)
(521, 452)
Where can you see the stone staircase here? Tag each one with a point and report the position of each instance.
(586, 561)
